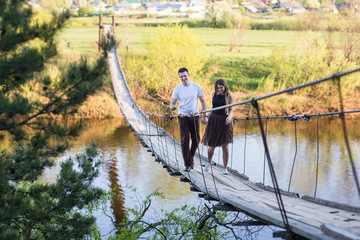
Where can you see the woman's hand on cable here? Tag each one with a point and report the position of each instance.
(228, 120)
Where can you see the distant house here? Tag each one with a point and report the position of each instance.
(332, 9)
(347, 5)
(158, 7)
(164, 8)
(290, 6)
(196, 5)
(255, 7)
(98, 6)
(131, 4)
(73, 8)
(121, 10)
(179, 7)
(150, 7)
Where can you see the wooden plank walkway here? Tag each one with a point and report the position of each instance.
(306, 218)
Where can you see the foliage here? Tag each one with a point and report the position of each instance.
(221, 15)
(30, 209)
(168, 50)
(242, 74)
(306, 60)
(185, 222)
(311, 3)
(84, 10)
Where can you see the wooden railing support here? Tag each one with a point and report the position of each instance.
(100, 31)
(113, 25)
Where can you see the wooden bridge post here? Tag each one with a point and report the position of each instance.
(113, 25)
(100, 31)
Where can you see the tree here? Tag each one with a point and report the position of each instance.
(221, 15)
(169, 49)
(311, 3)
(30, 209)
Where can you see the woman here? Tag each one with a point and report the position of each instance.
(219, 131)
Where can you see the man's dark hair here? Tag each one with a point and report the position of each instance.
(181, 70)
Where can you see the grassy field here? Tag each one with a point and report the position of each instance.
(243, 67)
(217, 41)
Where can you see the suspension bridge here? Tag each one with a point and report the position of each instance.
(301, 217)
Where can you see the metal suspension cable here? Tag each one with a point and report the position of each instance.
(346, 136)
(245, 147)
(317, 155)
(173, 134)
(293, 164)
(290, 89)
(151, 143)
(160, 140)
(232, 146)
(201, 165)
(166, 151)
(304, 116)
(213, 177)
(265, 152)
(272, 173)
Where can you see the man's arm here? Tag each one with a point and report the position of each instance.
(203, 105)
(173, 103)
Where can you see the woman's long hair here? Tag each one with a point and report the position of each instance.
(226, 92)
(222, 83)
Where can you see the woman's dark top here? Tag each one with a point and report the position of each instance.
(217, 101)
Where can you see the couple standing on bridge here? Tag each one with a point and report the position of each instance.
(219, 130)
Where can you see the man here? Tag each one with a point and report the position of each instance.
(188, 92)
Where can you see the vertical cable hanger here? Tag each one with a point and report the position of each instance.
(342, 116)
(273, 176)
(317, 154)
(247, 118)
(174, 142)
(266, 122)
(201, 165)
(293, 164)
(232, 146)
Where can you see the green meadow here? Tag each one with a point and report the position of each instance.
(217, 42)
(243, 67)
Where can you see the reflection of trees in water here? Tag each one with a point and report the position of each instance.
(117, 201)
(117, 139)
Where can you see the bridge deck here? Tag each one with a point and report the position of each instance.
(306, 218)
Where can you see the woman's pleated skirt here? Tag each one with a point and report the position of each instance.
(217, 133)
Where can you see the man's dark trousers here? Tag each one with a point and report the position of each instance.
(189, 127)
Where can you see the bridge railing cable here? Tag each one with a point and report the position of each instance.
(273, 175)
(254, 102)
(342, 117)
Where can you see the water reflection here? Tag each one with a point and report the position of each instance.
(127, 163)
(297, 141)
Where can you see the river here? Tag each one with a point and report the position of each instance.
(127, 163)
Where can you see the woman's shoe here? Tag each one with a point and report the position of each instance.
(225, 172)
(206, 167)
